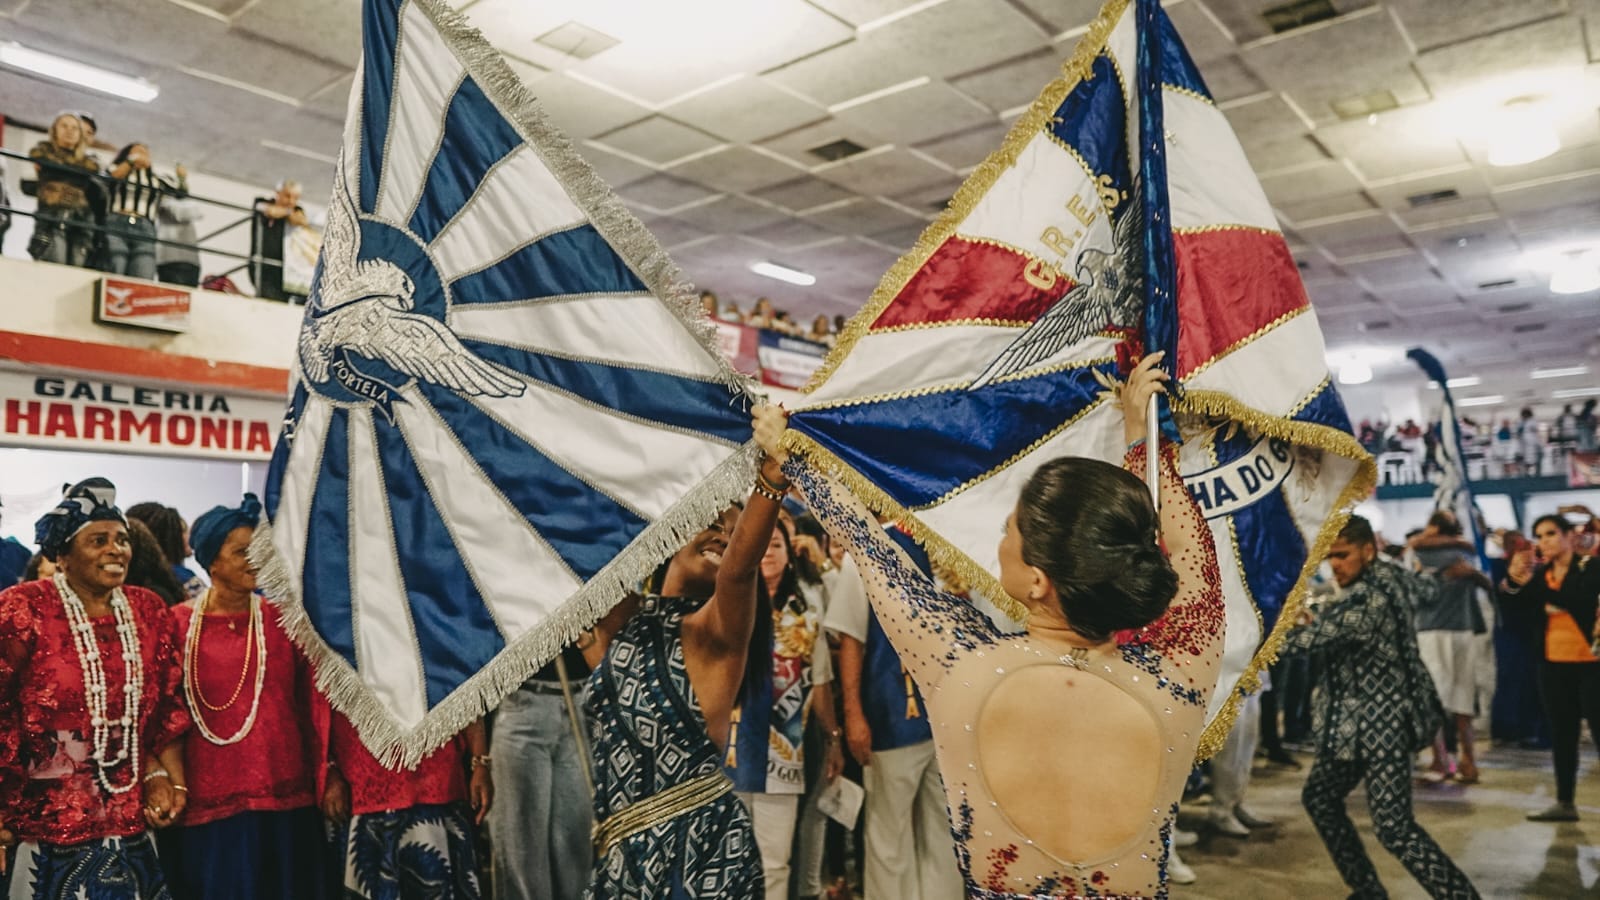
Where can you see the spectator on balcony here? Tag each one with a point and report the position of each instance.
(1530, 446)
(1583, 427)
(732, 313)
(782, 321)
(177, 262)
(708, 304)
(135, 195)
(763, 315)
(821, 331)
(62, 224)
(273, 216)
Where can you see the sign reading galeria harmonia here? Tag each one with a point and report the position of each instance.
(69, 413)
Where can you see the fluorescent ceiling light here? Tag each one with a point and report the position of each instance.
(1355, 373)
(1562, 372)
(1570, 393)
(1489, 400)
(783, 273)
(1522, 134)
(1463, 381)
(1576, 275)
(59, 68)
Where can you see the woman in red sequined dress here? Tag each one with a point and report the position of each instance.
(90, 715)
(1117, 664)
(252, 830)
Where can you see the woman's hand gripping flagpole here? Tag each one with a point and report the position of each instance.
(1141, 415)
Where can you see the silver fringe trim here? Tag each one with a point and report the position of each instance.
(730, 481)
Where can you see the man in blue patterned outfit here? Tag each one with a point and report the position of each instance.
(909, 851)
(1374, 709)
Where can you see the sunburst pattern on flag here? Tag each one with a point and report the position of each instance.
(507, 407)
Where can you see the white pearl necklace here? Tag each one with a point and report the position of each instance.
(94, 685)
(191, 672)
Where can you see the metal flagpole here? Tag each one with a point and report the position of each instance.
(577, 723)
(1152, 450)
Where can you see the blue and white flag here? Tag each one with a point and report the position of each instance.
(506, 409)
(1454, 491)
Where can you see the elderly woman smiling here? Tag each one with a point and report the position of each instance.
(90, 714)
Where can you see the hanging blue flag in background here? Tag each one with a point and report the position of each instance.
(506, 407)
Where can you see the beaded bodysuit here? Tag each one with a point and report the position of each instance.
(960, 659)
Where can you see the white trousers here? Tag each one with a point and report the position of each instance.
(910, 854)
(773, 816)
(1230, 768)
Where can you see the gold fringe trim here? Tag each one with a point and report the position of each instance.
(1329, 440)
(1232, 226)
(951, 323)
(972, 191)
(941, 553)
(1192, 95)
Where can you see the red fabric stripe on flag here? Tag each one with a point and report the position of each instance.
(966, 279)
(1231, 283)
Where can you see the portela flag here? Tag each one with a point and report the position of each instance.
(506, 407)
(1119, 217)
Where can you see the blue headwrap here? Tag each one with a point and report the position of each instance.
(209, 531)
(90, 500)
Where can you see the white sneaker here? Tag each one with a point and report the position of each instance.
(1177, 871)
(1181, 838)
(1225, 822)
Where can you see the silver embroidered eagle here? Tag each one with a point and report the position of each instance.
(1109, 292)
(364, 307)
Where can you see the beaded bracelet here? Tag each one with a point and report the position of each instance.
(153, 774)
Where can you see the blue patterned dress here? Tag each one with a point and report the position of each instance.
(648, 735)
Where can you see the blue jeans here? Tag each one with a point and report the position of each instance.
(131, 245)
(542, 814)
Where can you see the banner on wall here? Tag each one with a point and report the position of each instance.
(738, 344)
(68, 413)
(1583, 470)
(787, 362)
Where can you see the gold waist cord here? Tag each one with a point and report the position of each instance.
(659, 808)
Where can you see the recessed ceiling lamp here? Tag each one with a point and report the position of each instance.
(1572, 393)
(1356, 372)
(1560, 372)
(1521, 133)
(59, 68)
(1489, 400)
(1463, 381)
(783, 273)
(1577, 273)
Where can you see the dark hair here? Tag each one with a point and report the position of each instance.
(30, 572)
(149, 567)
(1560, 520)
(122, 155)
(1091, 527)
(1446, 523)
(1358, 531)
(807, 524)
(167, 526)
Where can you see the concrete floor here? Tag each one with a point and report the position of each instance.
(1481, 826)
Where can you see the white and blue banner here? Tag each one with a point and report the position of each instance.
(506, 407)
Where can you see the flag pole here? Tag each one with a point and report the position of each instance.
(1152, 451)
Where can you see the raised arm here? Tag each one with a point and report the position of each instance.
(728, 618)
(1194, 624)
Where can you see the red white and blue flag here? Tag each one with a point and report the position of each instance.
(1119, 217)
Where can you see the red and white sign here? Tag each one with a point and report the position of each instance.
(141, 304)
(69, 413)
(739, 344)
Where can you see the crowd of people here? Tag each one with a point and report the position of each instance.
(126, 218)
(1526, 447)
(764, 315)
(162, 735)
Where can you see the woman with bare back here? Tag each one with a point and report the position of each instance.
(1118, 662)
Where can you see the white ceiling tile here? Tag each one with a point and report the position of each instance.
(615, 170)
(796, 144)
(1013, 82)
(860, 12)
(966, 149)
(730, 215)
(1242, 18)
(658, 139)
(101, 31)
(1567, 163)
(747, 110)
(863, 217)
(1063, 15)
(674, 232)
(583, 110)
(1276, 156)
(1312, 182)
(1543, 195)
(330, 29)
(803, 193)
(736, 170)
(1345, 57)
(1386, 273)
(663, 192)
(1325, 207)
(790, 233)
(847, 71)
(885, 173)
(256, 61)
(1506, 61)
(1434, 23)
(962, 35)
(1397, 143)
(1263, 118)
(1229, 79)
(927, 111)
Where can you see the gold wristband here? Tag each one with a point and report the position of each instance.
(763, 482)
